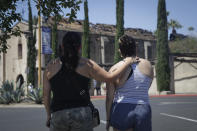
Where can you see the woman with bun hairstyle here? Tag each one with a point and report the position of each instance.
(127, 100)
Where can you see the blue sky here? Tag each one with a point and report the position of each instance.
(138, 13)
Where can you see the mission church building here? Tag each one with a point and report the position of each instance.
(13, 64)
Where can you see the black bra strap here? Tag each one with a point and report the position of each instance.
(131, 72)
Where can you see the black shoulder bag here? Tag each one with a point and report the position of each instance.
(95, 111)
(95, 115)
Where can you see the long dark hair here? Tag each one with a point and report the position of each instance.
(69, 50)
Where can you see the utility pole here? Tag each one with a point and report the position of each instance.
(39, 46)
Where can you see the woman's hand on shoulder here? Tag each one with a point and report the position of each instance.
(83, 67)
(132, 60)
(52, 67)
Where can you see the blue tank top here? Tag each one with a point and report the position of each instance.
(135, 89)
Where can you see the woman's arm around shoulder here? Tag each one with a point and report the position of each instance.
(91, 69)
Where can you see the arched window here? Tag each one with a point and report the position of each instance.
(20, 80)
(20, 51)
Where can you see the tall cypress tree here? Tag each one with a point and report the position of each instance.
(119, 27)
(31, 54)
(34, 52)
(162, 65)
(54, 39)
(35, 22)
(85, 38)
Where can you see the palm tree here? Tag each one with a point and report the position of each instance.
(174, 25)
(167, 13)
(190, 28)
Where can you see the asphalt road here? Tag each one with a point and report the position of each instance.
(168, 114)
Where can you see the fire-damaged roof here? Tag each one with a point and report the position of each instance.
(103, 29)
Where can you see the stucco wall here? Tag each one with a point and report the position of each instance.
(1, 68)
(185, 78)
(153, 88)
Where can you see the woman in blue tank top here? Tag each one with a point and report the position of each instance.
(68, 110)
(127, 102)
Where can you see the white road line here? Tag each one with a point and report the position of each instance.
(184, 118)
(104, 122)
(174, 103)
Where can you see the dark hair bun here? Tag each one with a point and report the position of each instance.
(127, 46)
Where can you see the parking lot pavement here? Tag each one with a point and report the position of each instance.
(169, 113)
(172, 113)
(175, 113)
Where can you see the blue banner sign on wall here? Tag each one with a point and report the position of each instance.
(46, 40)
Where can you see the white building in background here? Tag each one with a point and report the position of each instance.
(13, 64)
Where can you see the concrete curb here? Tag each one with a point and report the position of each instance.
(22, 105)
(174, 95)
(167, 95)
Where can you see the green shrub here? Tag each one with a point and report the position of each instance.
(9, 95)
(19, 93)
(6, 98)
(7, 86)
(6, 92)
(36, 95)
(187, 45)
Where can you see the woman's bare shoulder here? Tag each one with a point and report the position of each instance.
(145, 62)
(53, 67)
(83, 67)
(145, 67)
